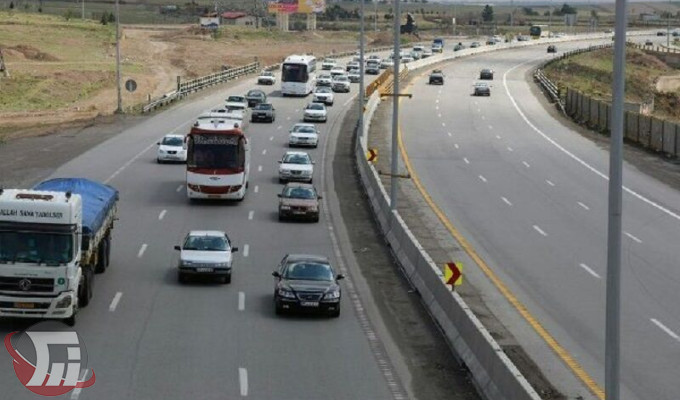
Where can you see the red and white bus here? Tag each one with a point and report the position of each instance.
(218, 160)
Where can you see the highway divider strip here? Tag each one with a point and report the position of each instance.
(492, 371)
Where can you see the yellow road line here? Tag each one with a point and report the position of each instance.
(521, 308)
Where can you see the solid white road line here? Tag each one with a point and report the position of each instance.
(456, 145)
(574, 156)
(482, 178)
(526, 164)
(179, 188)
(141, 251)
(251, 214)
(590, 271)
(632, 237)
(506, 201)
(466, 160)
(510, 148)
(257, 188)
(264, 151)
(246, 250)
(539, 230)
(241, 301)
(585, 207)
(665, 329)
(549, 182)
(243, 381)
(259, 168)
(115, 301)
(162, 214)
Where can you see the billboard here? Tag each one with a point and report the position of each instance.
(210, 22)
(297, 6)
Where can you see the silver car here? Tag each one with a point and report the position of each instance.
(206, 253)
(296, 166)
(303, 135)
(315, 112)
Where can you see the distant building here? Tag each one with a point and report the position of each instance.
(646, 17)
(239, 18)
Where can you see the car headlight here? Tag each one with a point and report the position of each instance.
(161, 151)
(222, 265)
(285, 207)
(64, 303)
(185, 263)
(332, 295)
(284, 172)
(286, 293)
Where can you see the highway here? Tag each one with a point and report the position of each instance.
(530, 194)
(148, 337)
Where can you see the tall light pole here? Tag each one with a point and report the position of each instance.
(375, 16)
(395, 109)
(119, 109)
(362, 90)
(613, 308)
(82, 10)
(668, 28)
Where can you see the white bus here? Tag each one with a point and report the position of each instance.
(298, 75)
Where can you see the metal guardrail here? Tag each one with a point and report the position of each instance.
(184, 88)
(549, 86)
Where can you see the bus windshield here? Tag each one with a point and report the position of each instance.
(294, 73)
(214, 151)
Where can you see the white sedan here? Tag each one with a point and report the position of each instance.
(324, 95)
(171, 148)
(206, 253)
(296, 166)
(303, 135)
(266, 78)
(236, 103)
(315, 112)
(337, 71)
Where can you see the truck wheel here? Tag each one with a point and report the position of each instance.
(101, 257)
(85, 290)
(71, 321)
(108, 249)
(226, 279)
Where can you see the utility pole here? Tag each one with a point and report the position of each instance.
(375, 16)
(82, 10)
(395, 109)
(512, 12)
(119, 109)
(668, 28)
(362, 89)
(613, 295)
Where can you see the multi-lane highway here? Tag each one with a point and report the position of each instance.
(530, 193)
(148, 337)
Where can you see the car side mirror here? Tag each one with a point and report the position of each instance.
(313, 162)
(158, 143)
(319, 197)
(280, 161)
(339, 277)
(178, 248)
(234, 249)
(276, 274)
(279, 195)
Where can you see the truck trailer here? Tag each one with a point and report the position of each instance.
(53, 239)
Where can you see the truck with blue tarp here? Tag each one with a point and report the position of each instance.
(53, 239)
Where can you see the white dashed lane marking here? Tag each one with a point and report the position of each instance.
(506, 201)
(589, 270)
(243, 381)
(585, 207)
(115, 301)
(526, 164)
(510, 148)
(257, 188)
(456, 145)
(632, 237)
(549, 182)
(449, 133)
(179, 188)
(666, 329)
(539, 230)
(141, 251)
(246, 250)
(271, 138)
(259, 168)
(241, 301)
(162, 214)
(482, 178)
(251, 214)
(264, 151)
(466, 160)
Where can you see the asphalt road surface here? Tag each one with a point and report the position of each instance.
(531, 195)
(148, 337)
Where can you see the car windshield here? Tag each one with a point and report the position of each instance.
(297, 159)
(329, 61)
(266, 73)
(299, 193)
(173, 141)
(236, 99)
(324, 77)
(341, 78)
(206, 243)
(36, 247)
(263, 106)
(308, 271)
(304, 129)
(255, 93)
(315, 106)
(323, 90)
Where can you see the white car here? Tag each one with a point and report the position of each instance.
(352, 65)
(303, 135)
(337, 71)
(266, 78)
(324, 95)
(386, 63)
(406, 59)
(341, 83)
(171, 148)
(328, 63)
(236, 103)
(315, 112)
(427, 53)
(296, 166)
(206, 253)
(437, 48)
(354, 75)
(324, 80)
